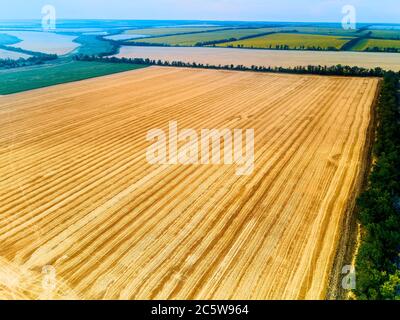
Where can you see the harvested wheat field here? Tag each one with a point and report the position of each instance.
(84, 215)
(273, 58)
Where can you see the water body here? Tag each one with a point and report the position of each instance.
(275, 58)
(96, 33)
(118, 37)
(46, 42)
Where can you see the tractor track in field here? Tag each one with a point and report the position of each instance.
(78, 194)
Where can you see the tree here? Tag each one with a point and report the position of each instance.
(390, 290)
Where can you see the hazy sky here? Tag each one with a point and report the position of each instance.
(259, 10)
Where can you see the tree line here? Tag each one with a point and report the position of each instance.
(145, 44)
(214, 42)
(29, 52)
(349, 45)
(337, 70)
(380, 49)
(232, 39)
(287, 47)
(21, 62)
(180, 34)
(378, 259)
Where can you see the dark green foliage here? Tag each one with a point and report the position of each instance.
(146, 44)
(214, 42)
(36, 60)
(377, 262)
(337, 70)
(44, 56)
(379, 49)
(96, 45)
(391, 288)
(348, 46)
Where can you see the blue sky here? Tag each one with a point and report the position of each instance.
(258, 10)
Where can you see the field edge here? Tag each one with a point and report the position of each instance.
(347, 242)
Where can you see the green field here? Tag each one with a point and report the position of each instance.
(92, 45)
(166, 31)
(193, 39)
(385, 34)
(291, 40)
(22, 79)
(320, 31)
(327, 31)
(379, 44)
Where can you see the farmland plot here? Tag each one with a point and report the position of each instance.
(274, 58)
(81, 208)
(193, 39)
(292, 41)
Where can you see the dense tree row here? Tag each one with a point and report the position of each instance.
(146, 44)
(44, 56)
(93, 44)
(286, 47)
(124, 42)
(214, 42)
(349, 45)
(199, 44)
(346, 47)
(353, 43)
(380, 49)
(251, 36)
(337, 70)
(378, 260)
(36, 60)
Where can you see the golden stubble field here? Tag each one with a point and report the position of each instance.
(273, 58)
(84, 215)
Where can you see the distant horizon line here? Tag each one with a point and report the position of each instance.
(198, 20)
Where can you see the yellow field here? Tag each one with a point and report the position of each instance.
(273, 58)
(292, 41)
(81, 207)
(368, 44)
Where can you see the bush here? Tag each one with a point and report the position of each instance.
(377, 261)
